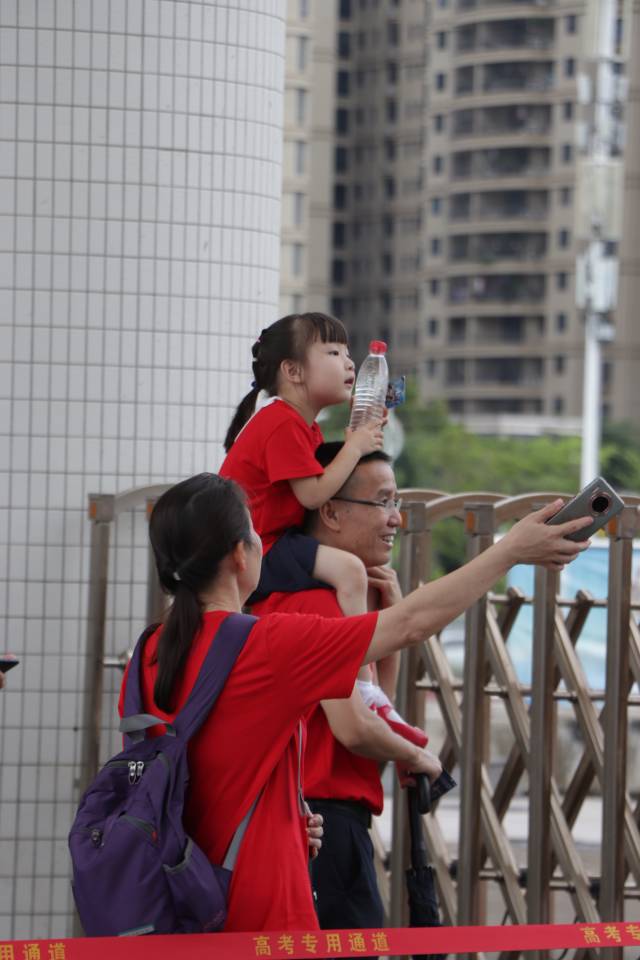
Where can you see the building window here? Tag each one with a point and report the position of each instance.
(561, 281)
(436, 205)
(558, 404)
(362, 40)
(389, 148)
(391, 111)
(386, 261)
(436, 246)
(441, 81)
(561, 322)
(442, 4)
(388, 225)
(569, 67)
(340, 196)
(389, 187)
(441, 39)
(392, 72)
(344, 44)
(345, 9)
(434, 288)
(567, 153)
(567, 111)
(338, 272)
(337, 306)
(559, 363)
(341, 159)
(571, 23)
(300, 156)
(343, 83)
(359, 116)
(432, 326)
(303, 9)
(301, 106)
(438, 122)
(565, 196)
(393, 33)
(438, 164)
(430, 367)
(298, 209)
(303, 53)
(339, 234)
(563, 238)
(297, 259)
(342, 120)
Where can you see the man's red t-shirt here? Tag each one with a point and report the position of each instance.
(275, 446)
(331, 772)
(249, 740)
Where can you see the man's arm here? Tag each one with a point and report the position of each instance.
(432, 606)
(362, 731)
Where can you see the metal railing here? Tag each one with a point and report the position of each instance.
(485, 852)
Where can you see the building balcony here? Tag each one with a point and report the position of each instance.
(501, 162)
(494, 247)
(510, 120)
(521, 34)
(498, 288)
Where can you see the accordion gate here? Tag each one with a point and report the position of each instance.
(485, 852)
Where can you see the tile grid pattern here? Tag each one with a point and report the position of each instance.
(140, 171)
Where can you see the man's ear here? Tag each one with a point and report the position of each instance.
(328, 516)
(291, 370)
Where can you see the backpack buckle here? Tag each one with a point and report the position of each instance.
(136, 769)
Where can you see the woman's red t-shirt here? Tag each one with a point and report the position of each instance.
(289, 662)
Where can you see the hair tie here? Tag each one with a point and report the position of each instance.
(254, 385)
(176, 575)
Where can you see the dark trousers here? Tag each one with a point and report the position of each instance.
(343, 874)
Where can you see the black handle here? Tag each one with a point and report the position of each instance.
(424, 792)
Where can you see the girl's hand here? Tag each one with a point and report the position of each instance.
(385, 581)
(314, 833)
(367, 438)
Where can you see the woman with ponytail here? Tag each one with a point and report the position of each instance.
(208, 558)
(301, 364)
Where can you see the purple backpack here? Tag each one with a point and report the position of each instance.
(135, 870)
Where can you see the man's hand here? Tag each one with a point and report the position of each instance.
(365, 439)
(424, 762)
(385, 581)
(532, 540)
(314, 833)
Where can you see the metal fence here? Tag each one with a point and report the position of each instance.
(525, 882)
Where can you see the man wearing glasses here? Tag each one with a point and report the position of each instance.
(346, 741)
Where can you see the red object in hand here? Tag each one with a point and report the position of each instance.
(412, 734)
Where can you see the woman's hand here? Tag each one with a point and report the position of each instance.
(314, 833)
(532, 540)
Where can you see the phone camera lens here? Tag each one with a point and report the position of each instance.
(600, 503)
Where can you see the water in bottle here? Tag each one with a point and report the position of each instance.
(371, 386)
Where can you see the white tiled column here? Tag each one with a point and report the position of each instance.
(140, 172)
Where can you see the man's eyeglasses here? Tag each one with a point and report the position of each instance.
(390, 504)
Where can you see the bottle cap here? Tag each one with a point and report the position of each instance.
(377, 346)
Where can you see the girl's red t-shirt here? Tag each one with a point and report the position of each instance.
(289, 663)
(275, 446)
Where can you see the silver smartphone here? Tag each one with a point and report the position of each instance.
(598, 500)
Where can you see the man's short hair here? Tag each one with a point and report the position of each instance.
(327, 452)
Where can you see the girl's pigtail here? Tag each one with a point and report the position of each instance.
(246, 409)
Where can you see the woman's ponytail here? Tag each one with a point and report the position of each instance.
(180, 627)
(246, 409)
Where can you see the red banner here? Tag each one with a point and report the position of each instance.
(329, 943)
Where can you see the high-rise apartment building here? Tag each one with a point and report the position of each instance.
(451, 171)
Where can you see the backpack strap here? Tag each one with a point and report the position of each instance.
(134, 722)
(222, 654)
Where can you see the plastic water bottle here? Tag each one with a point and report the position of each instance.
(371, 386)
